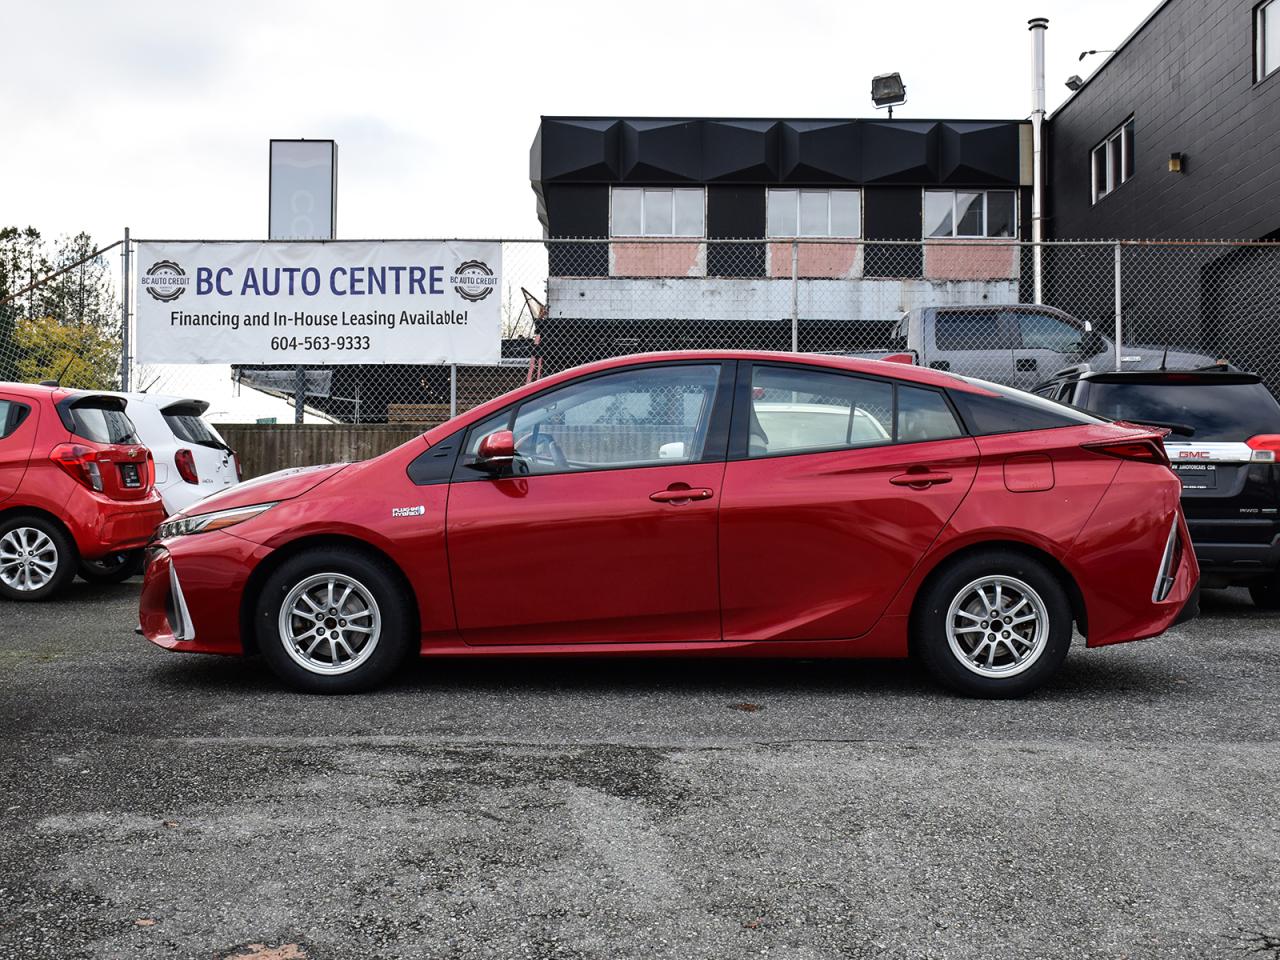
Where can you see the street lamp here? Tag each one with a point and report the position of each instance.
(887, 91)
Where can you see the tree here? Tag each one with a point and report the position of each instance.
(75, 314)
(80, 355)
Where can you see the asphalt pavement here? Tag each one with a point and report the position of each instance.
(162, 805)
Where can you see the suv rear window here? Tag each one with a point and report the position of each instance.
(1216, 411)
(1011, 411)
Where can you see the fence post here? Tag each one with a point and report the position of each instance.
(124, 314)
(1119, 308)
(299, 393)
(795, 296)
(453, 390)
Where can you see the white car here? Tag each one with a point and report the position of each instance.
(192, 460)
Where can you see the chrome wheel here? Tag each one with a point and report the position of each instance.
(28, 559)
(997, 626)
(329, 623)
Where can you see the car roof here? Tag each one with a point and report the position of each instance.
(876, 368)
(39, 391)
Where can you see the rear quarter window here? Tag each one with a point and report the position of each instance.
(1012, 411)
(11, 416)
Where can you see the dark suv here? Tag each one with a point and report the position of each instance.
(1225, 435)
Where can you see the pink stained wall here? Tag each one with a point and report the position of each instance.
(835, 261)
(971, 260)
(656, 260)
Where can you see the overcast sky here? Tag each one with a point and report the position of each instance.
(157, 115)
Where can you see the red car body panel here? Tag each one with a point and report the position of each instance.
(103, 523)
(809, 555)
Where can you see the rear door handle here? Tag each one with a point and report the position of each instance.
(1026, 363)
(681, 494)
(920, 479)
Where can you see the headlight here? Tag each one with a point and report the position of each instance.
(204, 522)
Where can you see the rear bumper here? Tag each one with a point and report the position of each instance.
(101, 527)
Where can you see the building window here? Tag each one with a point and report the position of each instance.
(1113, 160)
(814, 213)
(1266, 39)
(970, 213)
(658, 212)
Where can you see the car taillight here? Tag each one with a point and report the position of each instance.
(1143, 450)
(235, 458)
(80, 462)
(149, 480)
(186, 463)
(1264, 447)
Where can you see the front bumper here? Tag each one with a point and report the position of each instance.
(192, 589)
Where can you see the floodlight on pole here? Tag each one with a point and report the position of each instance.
(887, 91)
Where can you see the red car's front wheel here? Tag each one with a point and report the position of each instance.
(333, 621)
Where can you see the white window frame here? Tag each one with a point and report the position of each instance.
(644, 191)
(1111, 144)
(1269, 8)
(795, 233)
(986, 219)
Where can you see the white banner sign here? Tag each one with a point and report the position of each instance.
(319, 303)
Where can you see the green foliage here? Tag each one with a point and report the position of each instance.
(75, 315)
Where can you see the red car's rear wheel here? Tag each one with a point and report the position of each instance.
(333, 621)
(993, 624)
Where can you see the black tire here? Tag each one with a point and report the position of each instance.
(116, 568)
(61, 552)
(1266, 593)
(1043, 648)
(390, 611)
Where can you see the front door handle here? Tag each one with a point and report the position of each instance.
(919, 479)
(680, 493)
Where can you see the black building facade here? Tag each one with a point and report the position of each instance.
(818, 199)
(1192, 80)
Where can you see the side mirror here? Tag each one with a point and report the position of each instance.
(1088, 326)
(496, 451)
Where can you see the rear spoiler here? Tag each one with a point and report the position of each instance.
(185, 407)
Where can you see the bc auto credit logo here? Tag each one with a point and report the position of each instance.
(165, 280)
(473, 280)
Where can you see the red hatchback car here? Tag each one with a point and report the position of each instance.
(703, 503)
(76, 490)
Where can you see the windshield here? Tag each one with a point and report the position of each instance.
(1216, 411)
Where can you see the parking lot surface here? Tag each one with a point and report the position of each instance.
(157, 805)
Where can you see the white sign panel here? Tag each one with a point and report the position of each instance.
(319, 303)
(303, 189)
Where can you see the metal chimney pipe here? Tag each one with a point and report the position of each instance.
(1037, 26)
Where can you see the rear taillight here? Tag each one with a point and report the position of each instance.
(149, 480)
(235, 458)
(186, 462)
(1144, 450)
(1264, 447)
(80, 462)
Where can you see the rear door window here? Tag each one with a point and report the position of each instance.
(11, 416)
(794, 410)
(1222, 411)
(969, 330)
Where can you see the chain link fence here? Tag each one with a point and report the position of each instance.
(1016, 313)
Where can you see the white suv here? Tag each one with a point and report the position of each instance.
(192, 460)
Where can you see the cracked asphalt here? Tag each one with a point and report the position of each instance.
(157, 805)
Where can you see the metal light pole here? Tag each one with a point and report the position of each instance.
(125, 258)
(1037, 26)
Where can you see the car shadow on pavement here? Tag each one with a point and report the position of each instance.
(1087, 674)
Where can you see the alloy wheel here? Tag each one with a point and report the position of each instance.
(997, 626)
(28, 559)
(329, 623)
